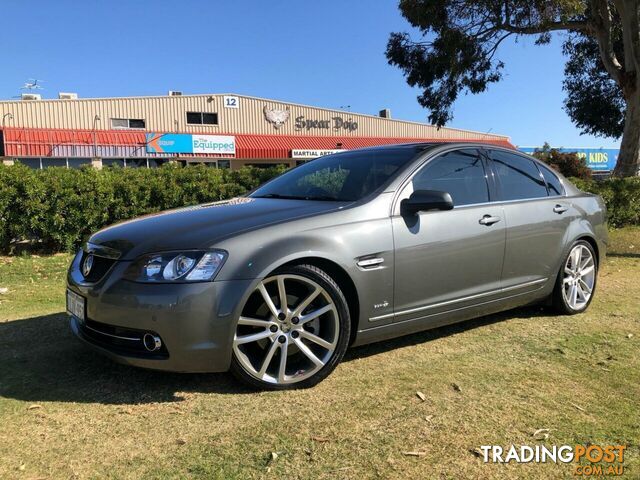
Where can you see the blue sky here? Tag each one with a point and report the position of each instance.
(328, 53)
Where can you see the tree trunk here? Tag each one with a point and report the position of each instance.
(629, 158)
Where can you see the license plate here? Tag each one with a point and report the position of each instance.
(75, 305)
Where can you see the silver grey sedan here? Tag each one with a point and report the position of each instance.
(348, 249)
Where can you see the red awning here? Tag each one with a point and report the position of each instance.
(280, 146)
(35, 142)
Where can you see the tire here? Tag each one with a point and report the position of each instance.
(570, 277)
(311, 343)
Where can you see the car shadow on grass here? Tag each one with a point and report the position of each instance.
(441, 332)
(624, 255)
(41, 360)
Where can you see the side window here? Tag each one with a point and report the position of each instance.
(460, 173)
(553, 182)
(519, 176)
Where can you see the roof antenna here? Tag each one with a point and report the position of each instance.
(32, 84)
(487, 133)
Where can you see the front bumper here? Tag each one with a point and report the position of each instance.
(196, 321)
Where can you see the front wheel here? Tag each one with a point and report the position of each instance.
(293, 330)
(576, 281)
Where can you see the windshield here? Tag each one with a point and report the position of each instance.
(344, 177)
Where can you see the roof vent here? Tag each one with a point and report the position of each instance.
(175, 93)
(385, 113)
(31, 96)
(67, 96)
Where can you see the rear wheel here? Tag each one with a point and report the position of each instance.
(293, 330)
(576, 281)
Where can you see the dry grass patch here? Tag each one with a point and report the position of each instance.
(65, 412)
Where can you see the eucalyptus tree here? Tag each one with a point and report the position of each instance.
(458, 52)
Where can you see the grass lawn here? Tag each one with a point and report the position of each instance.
(68, 413)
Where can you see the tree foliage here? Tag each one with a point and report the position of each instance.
(456, 52)
(55, 209)
(460, 40)
(594, 100)
(568, 164)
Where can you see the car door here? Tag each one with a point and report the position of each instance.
(537, 216)
(448, 260)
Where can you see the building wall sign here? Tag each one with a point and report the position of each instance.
(598, 159)
(312, 153)
(231, 101)
(186, 143)
(335, 123)
(275, 116)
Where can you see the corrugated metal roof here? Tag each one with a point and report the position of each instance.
(169, 114)
(32, 142)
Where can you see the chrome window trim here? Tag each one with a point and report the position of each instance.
(458, 300)
(432, 154)
(497, 203)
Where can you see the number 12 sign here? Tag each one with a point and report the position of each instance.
(231, 102)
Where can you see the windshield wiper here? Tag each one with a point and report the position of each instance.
(278, 195)
(326, 198)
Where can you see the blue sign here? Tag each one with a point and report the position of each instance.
(598, 159)
(187, 143)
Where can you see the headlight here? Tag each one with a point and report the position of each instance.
(177, 267)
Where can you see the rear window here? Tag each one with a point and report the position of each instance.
(519, 176)
(553, 182)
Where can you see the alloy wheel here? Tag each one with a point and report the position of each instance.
(288, 330)
(579, 277)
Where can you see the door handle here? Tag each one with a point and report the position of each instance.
(488, 220)
(560, 208)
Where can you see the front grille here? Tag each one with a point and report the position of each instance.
(101, 266)
(123, 341)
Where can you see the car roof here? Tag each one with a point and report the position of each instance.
(429, 145)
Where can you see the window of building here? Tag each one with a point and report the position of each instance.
(202, 118)
(224, 164)
(128, 123)
(113, 162)
(54, 162)
(136, 163)
(156, 162)
(553, 182)
(266, 165)
(519, 177)
(30, 162)
(78, 162)
(459, 173)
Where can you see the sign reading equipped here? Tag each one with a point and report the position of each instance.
(186, 143)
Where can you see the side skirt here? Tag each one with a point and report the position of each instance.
(435, 320)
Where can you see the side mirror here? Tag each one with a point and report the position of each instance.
(423, 200)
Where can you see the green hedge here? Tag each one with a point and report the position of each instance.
(56, 209)
(621, 195)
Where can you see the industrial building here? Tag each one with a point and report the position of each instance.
(222, 130)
